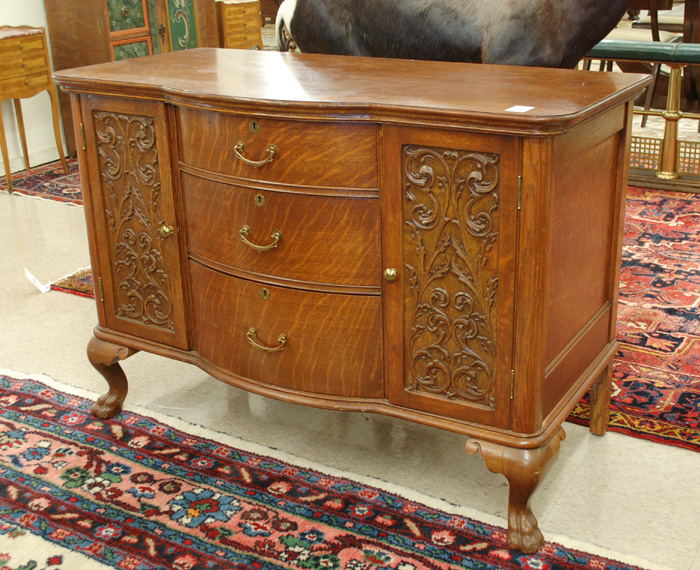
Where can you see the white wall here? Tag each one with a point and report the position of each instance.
(37, 110)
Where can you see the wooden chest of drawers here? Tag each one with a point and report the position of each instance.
(361, 234)
(239, 24)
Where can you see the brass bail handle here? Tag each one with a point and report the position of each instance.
(245, 231)
(252, 335)
(271, 151)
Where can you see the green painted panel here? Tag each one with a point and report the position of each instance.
(183, 31)
(153, 22)
(125, 15)
(129, 51)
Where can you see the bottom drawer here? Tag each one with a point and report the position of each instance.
(333, 344)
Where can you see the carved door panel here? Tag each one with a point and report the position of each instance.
(131, 204)
(449, 210)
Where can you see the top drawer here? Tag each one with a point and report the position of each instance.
(338, 155)
(22, 55)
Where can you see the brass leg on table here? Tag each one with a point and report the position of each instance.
(668, 169)
(57, 127)
(22, 134)
(524, 468)
(5, 154)
(600, 402)
(105, 357)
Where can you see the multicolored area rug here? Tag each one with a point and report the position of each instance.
(656, 374)
(136, 493)
(48, 182)
(79, 283)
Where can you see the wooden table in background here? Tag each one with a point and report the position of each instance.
(25, 71)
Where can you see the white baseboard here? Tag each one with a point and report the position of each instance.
(36, 158)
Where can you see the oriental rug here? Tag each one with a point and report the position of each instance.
(137, 493)
(79, 283)
(48, 182)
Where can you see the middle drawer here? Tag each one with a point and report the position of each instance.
(322, 343)
(322, 240)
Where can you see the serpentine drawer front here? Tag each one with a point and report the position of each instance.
(410, 238)
(303, 340)
(297, 152)
(282, 234)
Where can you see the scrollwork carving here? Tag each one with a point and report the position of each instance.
(451, 211)
(128, 156)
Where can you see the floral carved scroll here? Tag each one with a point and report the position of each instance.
(451, 206)
(131, 187)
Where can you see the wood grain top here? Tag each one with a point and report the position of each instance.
(533, 99)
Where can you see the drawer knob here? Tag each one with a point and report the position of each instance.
(391, 274)
(271, 151)
(245, 231)
(252, 335)
(166, 231)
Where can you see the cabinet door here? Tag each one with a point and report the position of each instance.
(130, 205)
(449, 215)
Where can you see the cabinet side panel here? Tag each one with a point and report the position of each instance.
(581, 240)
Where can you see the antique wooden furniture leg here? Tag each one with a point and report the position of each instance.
(600, 402)
(105, 357)
(22, 134)
(5, 154)
(56, 127)
(524, 468)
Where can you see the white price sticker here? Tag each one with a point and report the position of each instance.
(519, 109)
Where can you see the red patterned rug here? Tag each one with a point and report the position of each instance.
(135, 493)
(79, 283)
(48, 182)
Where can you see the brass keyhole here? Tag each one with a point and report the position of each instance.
(254, 126)
(259, 200)
(265, 294)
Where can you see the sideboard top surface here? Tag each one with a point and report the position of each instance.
(523, 98)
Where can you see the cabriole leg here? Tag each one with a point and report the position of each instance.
(105, 357)
(600, 402)
(524, 469)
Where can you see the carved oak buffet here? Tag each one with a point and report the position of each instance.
(435, 241)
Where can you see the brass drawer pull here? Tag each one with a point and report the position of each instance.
(252, 335)
(271, 151)
(276, 237)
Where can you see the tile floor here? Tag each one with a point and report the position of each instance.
(634, 498)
